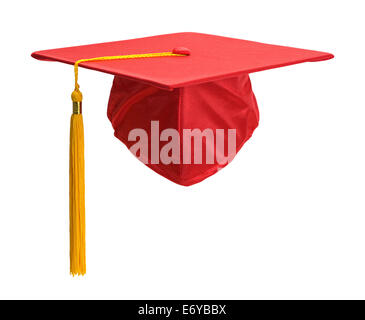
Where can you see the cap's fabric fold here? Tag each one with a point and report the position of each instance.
(227, 104)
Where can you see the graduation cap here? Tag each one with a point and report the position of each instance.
(172, 88)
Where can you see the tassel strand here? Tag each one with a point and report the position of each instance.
(77, 193)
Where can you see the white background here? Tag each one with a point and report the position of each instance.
(284, 220)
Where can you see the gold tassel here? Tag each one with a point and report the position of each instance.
(77, 171)
(77, 189)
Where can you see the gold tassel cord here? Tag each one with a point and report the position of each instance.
(77, 194)
(77, 169)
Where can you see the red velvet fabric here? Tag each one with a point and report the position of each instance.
(223, 104)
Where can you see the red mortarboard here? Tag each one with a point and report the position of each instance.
(212, 58)
(192, 81)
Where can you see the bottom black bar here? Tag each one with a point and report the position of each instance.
(185, 309)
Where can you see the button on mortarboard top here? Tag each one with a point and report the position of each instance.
(181, 50)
